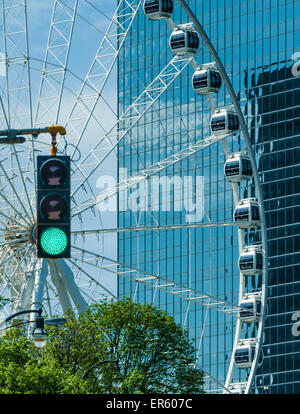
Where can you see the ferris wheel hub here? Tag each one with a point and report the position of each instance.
(33, 234)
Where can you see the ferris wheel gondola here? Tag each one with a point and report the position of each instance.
(238, 168)
(251, 261)
(224, 122)
(206, 80)
(158, 9)
(250, 308)
(184, 41)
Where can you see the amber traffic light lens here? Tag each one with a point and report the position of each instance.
(54, 207)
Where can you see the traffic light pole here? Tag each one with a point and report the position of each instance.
(61, 274)
(15, 136)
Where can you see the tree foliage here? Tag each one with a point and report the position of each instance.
(23, 370)
(113, 347)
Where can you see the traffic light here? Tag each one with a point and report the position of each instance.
(53, 206)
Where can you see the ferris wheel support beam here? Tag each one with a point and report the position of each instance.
(157, 282)
(101, 67)
(130, 117)
(26, 289)
(59, 284)
(258, 186)
(67, 275)
(41, 273)
(146, 173)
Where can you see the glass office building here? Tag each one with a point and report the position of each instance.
(257, 41)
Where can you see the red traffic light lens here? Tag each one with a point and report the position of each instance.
(53, 207)
(53, 172)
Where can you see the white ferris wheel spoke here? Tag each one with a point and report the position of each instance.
(7, 230)
(13, 242)
(9, 218)
(15, 192)
(131, 116)
(144, 174)
(5, 118)
(100, 69)
(13, 207)
(17, 93)
(13, 255)
(5, 273)
(210, 377)
(55, 63)
(24, 185)
(161, 283)
(160, 227)
(80, 268)
(18, 83)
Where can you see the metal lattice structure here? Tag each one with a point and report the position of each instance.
(60, 94)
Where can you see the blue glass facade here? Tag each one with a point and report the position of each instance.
(257, 42)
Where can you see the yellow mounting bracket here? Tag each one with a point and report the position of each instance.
(54, 130)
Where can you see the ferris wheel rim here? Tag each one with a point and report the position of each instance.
(259, 195)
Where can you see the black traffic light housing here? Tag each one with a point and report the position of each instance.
(53, 207)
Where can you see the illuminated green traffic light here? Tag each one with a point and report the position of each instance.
(53, 230)
(54, 241)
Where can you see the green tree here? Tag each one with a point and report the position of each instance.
(113, 347)
(24, 370)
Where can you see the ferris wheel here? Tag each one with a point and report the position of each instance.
(59, 87)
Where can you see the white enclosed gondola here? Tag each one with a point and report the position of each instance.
(247, 213)
(238, 168)
(250, 311)
(224, 122)
(251, 261)
(206, 80)
(244, 355)
(158, 9)
(184, 41)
